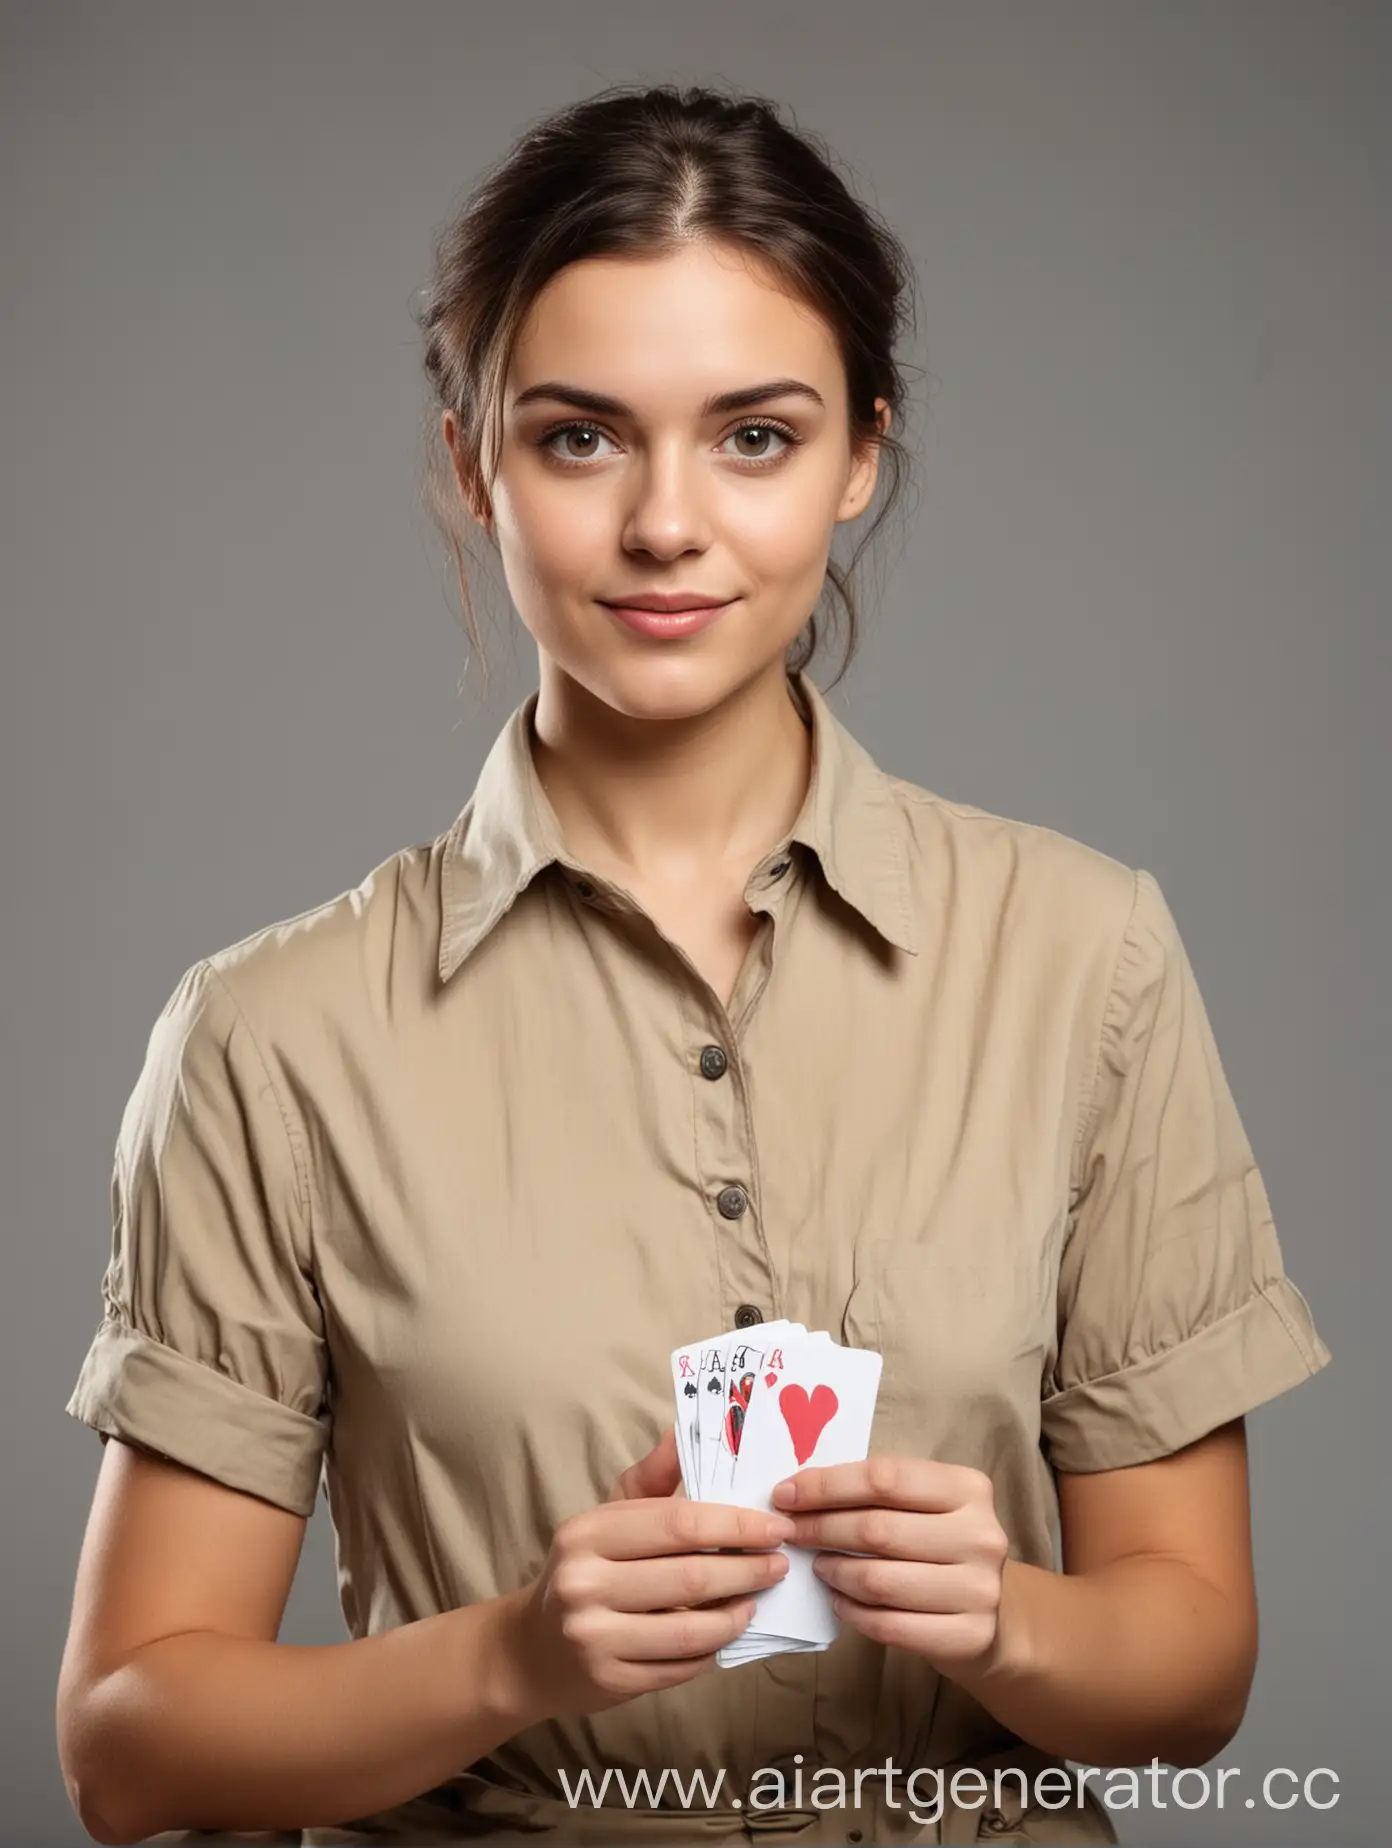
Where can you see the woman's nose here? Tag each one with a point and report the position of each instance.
(668, 513)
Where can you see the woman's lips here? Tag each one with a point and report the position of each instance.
(667, 623)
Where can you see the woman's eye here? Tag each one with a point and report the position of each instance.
(584, 431)
(762, 431)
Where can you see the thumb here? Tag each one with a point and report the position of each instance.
(658, 1473)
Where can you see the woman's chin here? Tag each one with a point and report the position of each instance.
(667, 689)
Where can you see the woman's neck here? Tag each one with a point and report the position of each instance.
(671, 801)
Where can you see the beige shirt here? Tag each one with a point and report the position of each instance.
(417, 1191)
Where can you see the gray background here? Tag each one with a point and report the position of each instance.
(1142, 598)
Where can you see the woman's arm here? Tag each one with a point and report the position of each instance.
(177, 1708)
(229, 1733)
(1146, 1643)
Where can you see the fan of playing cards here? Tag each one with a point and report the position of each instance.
(754, 1406)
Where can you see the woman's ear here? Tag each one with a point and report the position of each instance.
(467, 479)
(860, 485)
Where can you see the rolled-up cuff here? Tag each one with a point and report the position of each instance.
(1174, 1398)
(131, 1386)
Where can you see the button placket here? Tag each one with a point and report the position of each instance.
(726, 1159)
(767, 899)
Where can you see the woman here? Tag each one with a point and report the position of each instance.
(694, 1017)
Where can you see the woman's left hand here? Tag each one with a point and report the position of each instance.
(932, 1582)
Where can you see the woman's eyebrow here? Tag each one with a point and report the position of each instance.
(604, 406)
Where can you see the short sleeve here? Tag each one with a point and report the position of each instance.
(1175, 1314)
(211, 1347)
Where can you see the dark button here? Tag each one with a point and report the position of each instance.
(732, 1201)
(747, 1315)
(584, 888)
(713, 1062)
(777, 872)
(853, 1835)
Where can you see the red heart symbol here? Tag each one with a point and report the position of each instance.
(806, 1418)
(769, 1378)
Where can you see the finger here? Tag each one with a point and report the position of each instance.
(941, 1639)
(649, 1677)
(918, 1484)
(658, 1473)
(909, 1585)
(663, 1636)
(688, 1579)
(647, 1529)
(935, 1538)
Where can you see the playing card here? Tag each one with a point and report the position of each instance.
(685, 1367)
(747, 1358)
(733, 1656)
(710, 1386)
(817, 1410)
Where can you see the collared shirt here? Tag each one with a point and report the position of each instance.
(417, 1191)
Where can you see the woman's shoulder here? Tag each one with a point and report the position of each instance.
(977, 858)
(340, 952)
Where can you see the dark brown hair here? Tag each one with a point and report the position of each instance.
(642, 171)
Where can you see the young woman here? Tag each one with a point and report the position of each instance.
(694, 1017)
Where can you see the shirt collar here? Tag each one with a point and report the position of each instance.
(508, 832)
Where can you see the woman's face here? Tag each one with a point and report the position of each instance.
(655, 492)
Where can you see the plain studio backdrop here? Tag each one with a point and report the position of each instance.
(1140, 594)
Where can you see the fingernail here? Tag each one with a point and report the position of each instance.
(785, 1494)
(781, 1528)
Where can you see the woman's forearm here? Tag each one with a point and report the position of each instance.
(1141, 1659)
(216, 1732)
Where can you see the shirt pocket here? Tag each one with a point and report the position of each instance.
(966, 1329)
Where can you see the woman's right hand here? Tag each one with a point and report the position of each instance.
(629, 1599)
